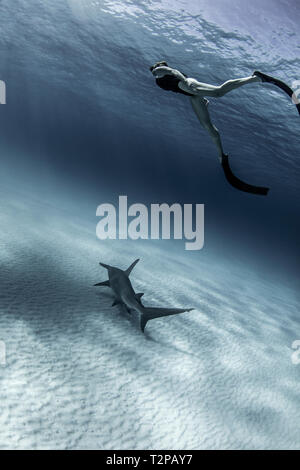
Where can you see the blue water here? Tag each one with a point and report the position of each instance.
(84, 123)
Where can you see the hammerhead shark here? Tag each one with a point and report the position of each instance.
(120, 283)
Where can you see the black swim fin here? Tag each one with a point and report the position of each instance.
(279, 83)
(237, 183)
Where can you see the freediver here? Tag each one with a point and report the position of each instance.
(171, 79)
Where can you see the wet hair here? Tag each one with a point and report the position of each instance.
(158, 64)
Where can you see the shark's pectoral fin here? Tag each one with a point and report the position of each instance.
(139, 296)
(128, 270)
(104, 283)
(150, 313)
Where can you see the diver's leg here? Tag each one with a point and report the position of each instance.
(199, 105)
(205, 89)
(230, 85)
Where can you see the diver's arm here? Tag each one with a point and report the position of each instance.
(159, 72)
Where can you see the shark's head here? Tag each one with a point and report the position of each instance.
(106, 266)
(111, 269)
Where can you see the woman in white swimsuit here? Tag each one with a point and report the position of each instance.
(172, 80)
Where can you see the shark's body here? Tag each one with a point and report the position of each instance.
(120, 283)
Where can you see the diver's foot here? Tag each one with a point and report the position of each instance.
(262, 76)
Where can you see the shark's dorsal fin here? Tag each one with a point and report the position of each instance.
(104, 283)
(128, 270)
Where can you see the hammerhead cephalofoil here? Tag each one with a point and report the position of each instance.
(120, 283)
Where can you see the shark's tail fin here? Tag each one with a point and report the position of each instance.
(149, 313)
